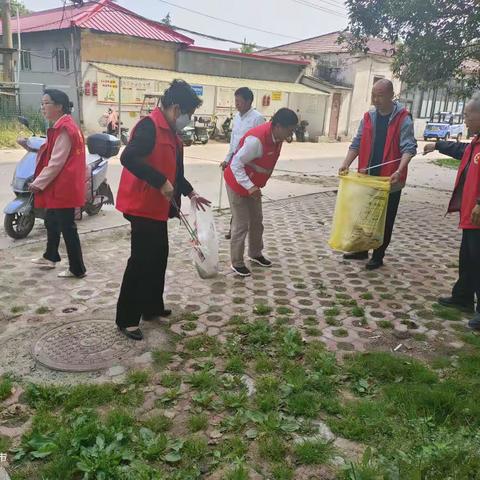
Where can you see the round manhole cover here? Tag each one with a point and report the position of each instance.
(82, 346)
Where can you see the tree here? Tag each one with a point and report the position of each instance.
(167, 20)
(14, 4)
(248, 47)
(433, 41)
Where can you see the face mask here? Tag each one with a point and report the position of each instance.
(182, 121)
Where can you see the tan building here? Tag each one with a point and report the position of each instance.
(347, 77)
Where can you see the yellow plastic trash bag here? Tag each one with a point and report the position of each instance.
(360, 211)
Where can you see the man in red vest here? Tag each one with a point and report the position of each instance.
(385, 143)
(247, 172)
(466, 200)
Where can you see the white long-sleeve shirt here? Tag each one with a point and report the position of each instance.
(241, 125)
(58, 158)
(251, 149)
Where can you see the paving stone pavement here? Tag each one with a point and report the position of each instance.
(306, 277)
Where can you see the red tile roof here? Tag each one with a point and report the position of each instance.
(102, 15)
(324, 44)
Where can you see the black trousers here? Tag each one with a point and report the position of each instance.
(144, 278)
(392, 209)
(468, 283)
(62, 220)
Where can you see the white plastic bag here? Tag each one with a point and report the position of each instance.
(205, 251)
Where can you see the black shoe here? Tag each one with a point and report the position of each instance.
(154, 316)
(454, 303)
(242, 271)
(228, 235)
(373, 264)
(474, 323)
(356, 256)
(133, 334)
(264, 262)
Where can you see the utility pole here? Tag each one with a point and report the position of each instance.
(7, 42)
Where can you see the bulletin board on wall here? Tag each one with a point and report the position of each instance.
(133, 90)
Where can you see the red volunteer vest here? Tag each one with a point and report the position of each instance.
(137, 197)
(392, 145)
(260, 169)
(471, 188)
(67, 190)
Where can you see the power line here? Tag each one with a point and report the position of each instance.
(278, 51)
(337, 4)
(320, 8)
(227, 21)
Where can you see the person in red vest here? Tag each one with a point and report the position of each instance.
(59, 183)
(466, 200)
(385, 143)
(247, 172)
(149, 193)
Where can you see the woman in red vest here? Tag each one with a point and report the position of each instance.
(59, 184)
(152, 176)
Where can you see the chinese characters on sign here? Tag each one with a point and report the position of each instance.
(132, 90)
(3, 457)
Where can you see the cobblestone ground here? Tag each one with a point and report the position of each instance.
(335, 301)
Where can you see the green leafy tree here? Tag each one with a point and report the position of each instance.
(14, 4)
(433, 41)
(167, 20)
(248, 47)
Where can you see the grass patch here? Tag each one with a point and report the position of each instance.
(170, 380)
(235, 364)
(138, 377)
(161, 358)
(42, 310)
(312, 452)
(366, 296)
(340, 332)
(6, 386)
(284, 310)
(358, 312)
(332, 312)
(261, 309)
(264, 364)
(5, 444)
(272, 448)
(385, 324)
(386, 368)
(446, 313)
(158, 423)
(202, 346)
(447, 162)
(196, 423)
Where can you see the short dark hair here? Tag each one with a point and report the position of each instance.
(181, 93)
(59, 98)
(245, 93)
(285, 117)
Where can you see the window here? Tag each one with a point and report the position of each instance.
(25, 60)
(63, 62)
(376, 78)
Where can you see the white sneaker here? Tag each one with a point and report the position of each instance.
(69, 274)
(43, 262)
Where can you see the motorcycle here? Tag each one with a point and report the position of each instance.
(227, 127)
(188, 135)
(20, 213)
(111, 124)
(301, 133)
(201, 130)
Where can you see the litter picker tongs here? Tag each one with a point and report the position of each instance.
(379, 165)
(191, 231)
